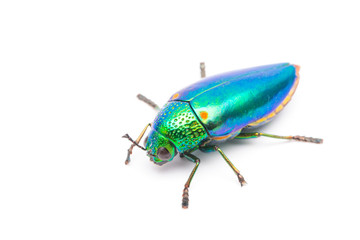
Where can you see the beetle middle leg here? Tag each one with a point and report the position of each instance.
(148, 101)
(297, 138)
(202, 70)
(236, 171)
(196, 160)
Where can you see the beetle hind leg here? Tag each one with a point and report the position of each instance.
(297, 138)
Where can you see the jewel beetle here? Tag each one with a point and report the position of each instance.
(218, 109)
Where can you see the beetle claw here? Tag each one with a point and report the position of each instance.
(241, 180)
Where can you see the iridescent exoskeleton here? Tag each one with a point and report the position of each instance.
(217, 109)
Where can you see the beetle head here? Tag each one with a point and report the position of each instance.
(160, 149)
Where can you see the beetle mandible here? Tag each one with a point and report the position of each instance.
(217, 109)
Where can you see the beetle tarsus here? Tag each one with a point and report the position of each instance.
(185, 199)
(128, 158)
(241, 180)
(308, 139)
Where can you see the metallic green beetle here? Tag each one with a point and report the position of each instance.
(218, 109)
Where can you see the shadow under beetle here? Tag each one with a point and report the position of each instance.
(217, 109)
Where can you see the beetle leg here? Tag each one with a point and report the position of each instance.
(236, 171)
(202, 69)
(148, 101)
(207, 149)
(297, 138)
(216, 148)
(185, 196)
(135, 143)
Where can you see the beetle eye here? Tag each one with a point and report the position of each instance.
(163, 154)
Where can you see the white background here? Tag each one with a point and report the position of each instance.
(70, 72)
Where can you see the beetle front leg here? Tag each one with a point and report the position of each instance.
(185, 196)
(135, 143)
